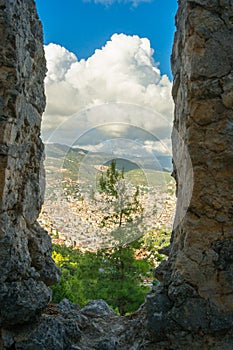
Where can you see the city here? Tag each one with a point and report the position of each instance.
(75, 220)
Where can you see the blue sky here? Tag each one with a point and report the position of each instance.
(108, 55)
(83, 26)
(104, 88)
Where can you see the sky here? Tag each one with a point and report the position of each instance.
(109, 73)
(83, 26)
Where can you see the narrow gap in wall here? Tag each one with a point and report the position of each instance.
(110, 198)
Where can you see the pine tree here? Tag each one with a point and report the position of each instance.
(114, 274)
(122, 270)
(125, 210)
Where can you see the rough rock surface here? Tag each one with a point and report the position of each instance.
(192, 308)
(66, 327)
(26, 266)
(194, 303)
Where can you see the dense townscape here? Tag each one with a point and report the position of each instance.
(74, 220)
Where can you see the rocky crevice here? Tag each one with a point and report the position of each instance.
(26, 266)
(192, 307)
(196, 293)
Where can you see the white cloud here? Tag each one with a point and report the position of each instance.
(161, 147)
(123, 71)
(145, 149)
(111, 2)
(59, 61)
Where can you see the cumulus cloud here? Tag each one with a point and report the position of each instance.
(123, 71)
(59, 61)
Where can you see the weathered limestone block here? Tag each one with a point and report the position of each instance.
(197, 279)
(26, 266)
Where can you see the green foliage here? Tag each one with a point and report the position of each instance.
(152, 242)
(113, 275)
(119, 274)
(122, 196)
(79, 274)
(124, 276)
(109, 180)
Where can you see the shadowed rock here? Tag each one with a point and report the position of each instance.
(195, 297)
(192, 307)
(26, 266)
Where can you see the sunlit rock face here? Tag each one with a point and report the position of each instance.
(195, 296)
(192, 308)
(26, 266)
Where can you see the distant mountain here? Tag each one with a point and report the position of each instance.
(123, 164)
(59, 151)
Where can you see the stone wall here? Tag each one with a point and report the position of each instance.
(195, 298)
(192, 308)
(26, 266)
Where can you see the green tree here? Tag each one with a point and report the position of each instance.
(115, 274)
(79, 275)
(121, 281)
(124, 211)
(122, 270)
